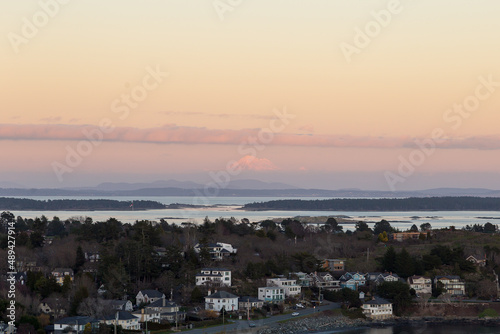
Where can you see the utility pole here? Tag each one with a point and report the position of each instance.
(116, 320)
(368, 254)
(248, 309)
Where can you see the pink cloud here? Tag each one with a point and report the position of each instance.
(171, 134)
(250, 162)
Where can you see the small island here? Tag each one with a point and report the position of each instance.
(9, 203)
(381, 204)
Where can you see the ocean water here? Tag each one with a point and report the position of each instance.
(230, 207)
(424, 329)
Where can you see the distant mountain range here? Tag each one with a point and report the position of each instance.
(236, 188)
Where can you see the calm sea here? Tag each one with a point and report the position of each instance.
(428, 329)
(229, 207)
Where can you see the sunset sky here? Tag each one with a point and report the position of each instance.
(175, 89)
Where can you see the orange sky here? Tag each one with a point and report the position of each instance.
(67, 69)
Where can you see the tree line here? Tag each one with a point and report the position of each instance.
(9, 203)
(383, 204)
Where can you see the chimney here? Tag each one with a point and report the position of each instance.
(163, 301)
(209, 292)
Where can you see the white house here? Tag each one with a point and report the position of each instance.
(217, 250)
(169, 310)
(74, 324)
(420, 284)
(148, 296)
(377, 309)
(214, 277)
(477, 260)
(247, 302)
(289, 285)
(387, 277)
(324, 280)
(453, 285)
(272, 294)
(122, 318)
(221, 300)
(121, 305)
(148, 315)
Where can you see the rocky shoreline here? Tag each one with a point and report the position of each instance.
(330, 322)
(313, 324)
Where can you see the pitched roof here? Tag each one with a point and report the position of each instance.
(116, 302)
(152, 293)
(215, 269)
(377, 301)
(162, 302)
(222, 294)
(81, 320)
(246, 299)
(122, 315)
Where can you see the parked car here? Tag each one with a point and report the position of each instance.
(294, 314)
(251, 324)
(299, 305)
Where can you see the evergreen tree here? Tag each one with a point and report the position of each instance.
(389, 260)
(405, 265)
(80, 258)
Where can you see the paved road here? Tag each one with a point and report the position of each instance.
(243, 324)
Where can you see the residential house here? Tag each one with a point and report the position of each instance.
(214, 277)
(221, 300)
(148, 296)
(56, 307)
(372, 276)
(387, 277)
(334, 264)
(160, 251)
(74, 324)
(21, 277)
(60, 273)
(325, 280)
(352, 280)
(303, 279)
(147, 315)
(453, 285)
(92, 256)
(122, 318)
(217, 250)
(289, 285)
(420, 284)
(245, 303)
(271, 294)
(377, 309)
(477, 260)
(169, 310)
(401, 236)
(25, 265)
(121, 305)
